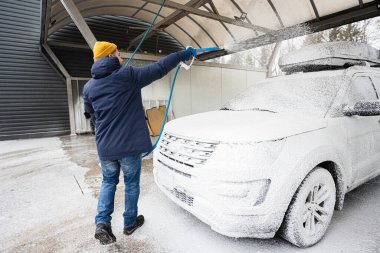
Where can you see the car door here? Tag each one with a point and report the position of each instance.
(360, 129)
(376, 170)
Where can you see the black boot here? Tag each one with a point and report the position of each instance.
(104, 233)
(139, 222)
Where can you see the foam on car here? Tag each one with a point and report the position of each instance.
(330, 55)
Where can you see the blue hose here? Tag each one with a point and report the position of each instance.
(145, 34)
(201, 50)
(175, 76)
(166, 112)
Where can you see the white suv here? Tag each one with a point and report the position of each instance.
(280, 156)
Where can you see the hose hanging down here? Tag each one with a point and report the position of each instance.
(182, 64)
(187, 67)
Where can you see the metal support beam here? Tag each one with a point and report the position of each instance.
(70, 101)
(56, 60)
(241, 12)
(146, 57)
(68, 45)
(45, 20)
(68, 85)
(204, 30)
(138, 10)
(276, 12)
(315, 9)
(213, 16)
(172, 18)
(272, 59)
(79, 21)
(215, 10)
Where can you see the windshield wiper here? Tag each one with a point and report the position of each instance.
(261, 110)
(253, 109)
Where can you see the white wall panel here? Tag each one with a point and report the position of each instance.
(253, 77)
(181, 102)
(202, 88)
(234, 81)
(161, 88)
(147, 92)
(206, 88)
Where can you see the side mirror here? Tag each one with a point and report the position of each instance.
(363, 108)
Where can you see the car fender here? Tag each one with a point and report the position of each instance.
(303, 161)
(328, 158)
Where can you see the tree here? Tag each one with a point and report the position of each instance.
(357, 32)
(334, 34)
(314, 38)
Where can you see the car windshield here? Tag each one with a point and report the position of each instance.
(309, 95)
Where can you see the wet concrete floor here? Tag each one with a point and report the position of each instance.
(48, 197)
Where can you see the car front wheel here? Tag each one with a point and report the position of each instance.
(310, 211)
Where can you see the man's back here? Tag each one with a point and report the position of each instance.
(113, 96)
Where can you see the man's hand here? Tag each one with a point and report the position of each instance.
(188, 53)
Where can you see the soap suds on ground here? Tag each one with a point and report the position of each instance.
(43, 210)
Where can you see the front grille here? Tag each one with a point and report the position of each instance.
(188, 152)
(183, 197)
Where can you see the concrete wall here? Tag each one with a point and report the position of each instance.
(202, 88)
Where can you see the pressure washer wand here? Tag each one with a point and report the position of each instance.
(200, 50)
(208, 49)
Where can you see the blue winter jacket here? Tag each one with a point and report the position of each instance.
(113, 97)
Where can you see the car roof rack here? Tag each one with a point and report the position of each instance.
(330, 56)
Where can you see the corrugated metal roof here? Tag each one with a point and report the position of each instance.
(118, 30)
(249, 23)
(78, 61)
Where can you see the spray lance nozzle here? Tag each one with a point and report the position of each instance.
(199, 51)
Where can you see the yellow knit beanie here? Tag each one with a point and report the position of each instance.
(103, 49)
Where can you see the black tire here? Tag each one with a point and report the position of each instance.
(310, 211)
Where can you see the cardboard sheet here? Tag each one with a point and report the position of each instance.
(155, 118)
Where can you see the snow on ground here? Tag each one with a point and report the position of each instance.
(355, 229)
(42, 209)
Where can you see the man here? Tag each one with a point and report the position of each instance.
(113, 98)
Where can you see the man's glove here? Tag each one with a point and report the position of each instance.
(188, 53)
(87, 115)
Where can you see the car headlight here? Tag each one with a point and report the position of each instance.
(241, 194)
(267, 152)
(242, 162)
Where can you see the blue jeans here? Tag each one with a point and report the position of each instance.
(131, 166)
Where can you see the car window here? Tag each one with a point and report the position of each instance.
(361, 89)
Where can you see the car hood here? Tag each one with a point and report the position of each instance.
(243, 126)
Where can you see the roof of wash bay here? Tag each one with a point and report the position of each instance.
(234, 24)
